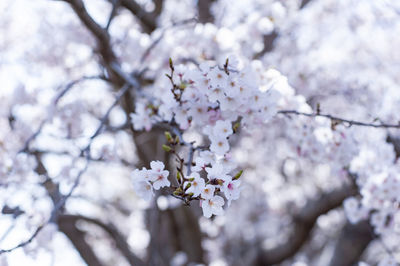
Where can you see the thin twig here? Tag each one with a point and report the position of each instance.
(54, 103)
(2, 251)
(156, 41)
(115, 5)
(9, 229)
(62, 201)
(104, 119)
(341, 120)
(127, 78)
(190, 160)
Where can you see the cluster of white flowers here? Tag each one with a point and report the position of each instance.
(141, 119)
(218, 181)
(145, 181)
(195, 187)
(214, 101)
(211, 98)
(380, 199)
(321, 141)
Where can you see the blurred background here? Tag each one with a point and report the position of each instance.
(62, 64)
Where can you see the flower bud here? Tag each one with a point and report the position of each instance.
(178, 191)
(238, 175)
(236, 127)
(178, 177)
(168, 136)
(166, 148)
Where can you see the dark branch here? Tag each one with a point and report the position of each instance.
(269, 40)
(146, 19)
(204, 8)
(304, 3)
(104, 119)
(395, 141)
(119, 239)
(340, 120)
(352, 242)
(158, 7)
(304, 222)
(77, 237)
(156, 41)
(69, 86)
(24, 243)
(58, 200)
(115, 5)
(102, 37)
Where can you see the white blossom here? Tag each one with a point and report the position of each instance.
(196, 186)
(212, 206)
(208, 192)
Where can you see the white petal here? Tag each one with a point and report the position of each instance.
(206, 209)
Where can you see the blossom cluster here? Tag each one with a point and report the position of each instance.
(380, 201)
(210, 98)
(218, 180)
(195, 186)
(214, 101)
(145, 181)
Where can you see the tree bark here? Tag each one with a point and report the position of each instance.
(204, 9)
(77, 238)
(352, 242)
(304, 222)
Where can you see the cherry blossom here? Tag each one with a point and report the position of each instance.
(208, 192)
(159, 175)
(144, 189)
(254, 103)
(212, 206)
(196, 186)
(231, 190)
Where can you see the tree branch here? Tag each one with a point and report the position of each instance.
(24, 243)
(102, 37)
(352, 242)
(55, 195)
(115, 5)
(146, 19)
(304, 3)
(340, 120)
(304, 222)
(54, 103)
(77, 237)
(204, 9)
(395, 141)
(119, 239)
(269, 40)
(118, 77)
